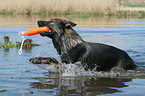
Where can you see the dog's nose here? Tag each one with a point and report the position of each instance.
(39, 23)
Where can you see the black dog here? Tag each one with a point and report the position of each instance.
(72, 48)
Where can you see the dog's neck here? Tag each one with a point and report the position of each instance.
(67, 41)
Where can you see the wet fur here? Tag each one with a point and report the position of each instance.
(72, 48)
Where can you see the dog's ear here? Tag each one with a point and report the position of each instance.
(69, 23)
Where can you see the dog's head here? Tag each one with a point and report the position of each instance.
(56, 26)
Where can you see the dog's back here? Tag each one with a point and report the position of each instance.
(105, 57)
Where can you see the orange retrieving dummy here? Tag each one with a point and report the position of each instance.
(34, 31)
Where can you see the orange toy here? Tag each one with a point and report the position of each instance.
(34, 31)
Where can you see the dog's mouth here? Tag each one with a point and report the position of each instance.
(43, 33)
(51, 25)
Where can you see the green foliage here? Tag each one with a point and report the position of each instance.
(81, 15)
(110, 14)
(134, 5)
(6, 12)
(3, 90)
(27, 44)
(42, 13)
(142, 12)
(7, 45)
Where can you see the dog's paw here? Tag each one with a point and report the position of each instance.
(35, 60)
(44, 60)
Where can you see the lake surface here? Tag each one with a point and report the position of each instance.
(18, 77)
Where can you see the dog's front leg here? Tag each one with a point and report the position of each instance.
(64, 58)
(44, 60)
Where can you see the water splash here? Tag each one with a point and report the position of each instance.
(75, 70)
(71, 70)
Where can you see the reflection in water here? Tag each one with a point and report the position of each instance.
(6, 50)
(19, 20)
(79, 86)
(46, 84)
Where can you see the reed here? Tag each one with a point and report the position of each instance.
(58, 6)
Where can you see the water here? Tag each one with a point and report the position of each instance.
(21, 78)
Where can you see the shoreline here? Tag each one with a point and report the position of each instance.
(120, 12)
(117, 8)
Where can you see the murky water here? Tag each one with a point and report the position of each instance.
(20, 78)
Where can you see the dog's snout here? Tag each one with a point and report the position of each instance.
(42, 23)
(39, 23)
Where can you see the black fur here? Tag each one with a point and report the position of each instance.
(72, 48)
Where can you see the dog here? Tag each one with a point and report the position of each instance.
(72, 48)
